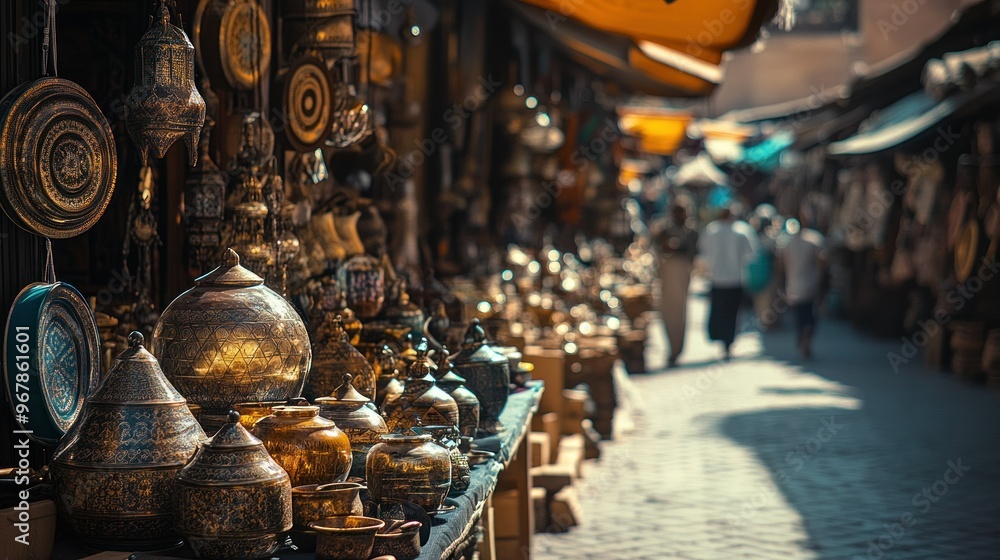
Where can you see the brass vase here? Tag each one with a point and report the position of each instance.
(164, 103)
(333, 356)
(454, 385)
(233, 500)
(310, 448)
(353, 413)
(487, 374)
(409, 467)
(230, 339)
(113, 474)
(422, 402)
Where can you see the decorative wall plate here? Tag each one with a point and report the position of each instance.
(308, 103)
(244, 43)
(52, 331)
(57, 158)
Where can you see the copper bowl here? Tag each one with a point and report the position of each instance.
(349, 537)
(403, 543)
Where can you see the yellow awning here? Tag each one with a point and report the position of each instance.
(660, 131)
(694, 27)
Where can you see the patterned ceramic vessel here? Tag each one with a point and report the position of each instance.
(354, 414)
(421, 402)
(333, 356)
(409, 467)
(113, 474)
(310, 448)
(346, 538)
(233, 501)
(401, 544)
(454, 385)
(230, 339)
(487, 374)
(164, 104)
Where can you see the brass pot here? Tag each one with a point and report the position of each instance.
(422, 402)
(233, 500)
(448, 437)
(309, 447)
(487, 374)
(454, 385)
(333, 356)
(315, 502)
(354, 414)
(411, 468)
(113, 474)
(230, 339)
(346, 538)
(401, 544)
(389, 380)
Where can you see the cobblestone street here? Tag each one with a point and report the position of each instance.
(771, 457)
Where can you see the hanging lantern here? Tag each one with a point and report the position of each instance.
(164, 104)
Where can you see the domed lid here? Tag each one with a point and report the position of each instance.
(163, 31)
(295, 411)
(232, 435)
(475, 350)
(230, 274)
(136, 378)
(444, 365)
(345, 393)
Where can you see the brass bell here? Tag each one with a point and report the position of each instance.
(164, 103)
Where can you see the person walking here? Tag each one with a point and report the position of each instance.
(724, 251)
(678, 245)
(804, 259)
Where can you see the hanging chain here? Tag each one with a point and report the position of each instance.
(49, 37)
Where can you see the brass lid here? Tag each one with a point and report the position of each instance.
(475, 350)
(444, 364)
(232, 435)
(136, 378)
(296, 411)
(230, 274)
(346, 392)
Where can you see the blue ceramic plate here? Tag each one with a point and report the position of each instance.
(51, 357)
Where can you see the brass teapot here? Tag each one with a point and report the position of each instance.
(113, 474)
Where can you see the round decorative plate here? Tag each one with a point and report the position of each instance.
(966, 250)
(52, 356)
(244, 43)
(57, 158)
(308, 104)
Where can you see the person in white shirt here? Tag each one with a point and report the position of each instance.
(804, 257)
(724, 251)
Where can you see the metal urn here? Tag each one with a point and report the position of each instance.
(333, 357)
(233, 501)
(354, 414)
(487, 374)
(311, 449)
(454, 385)
(230, 339)
(114, 472)
(422, 402)
(164, 103)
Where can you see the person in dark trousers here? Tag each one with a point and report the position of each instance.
(678, 245)
(724, 250)
(804, 257)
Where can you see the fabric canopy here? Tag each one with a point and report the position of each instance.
(660, 131)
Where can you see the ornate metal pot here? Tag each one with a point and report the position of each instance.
(114, 472)
(230, 339)
(353, 413)
(421, 402)
(411, 468)
(361, 279)
(487, 374)
(233, 500)
(454, 385)
(333, 357)
(310, 448)
(164, 103)
(447, 437)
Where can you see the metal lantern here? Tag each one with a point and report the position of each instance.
(164, 104)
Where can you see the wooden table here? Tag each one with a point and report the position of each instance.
(455, 534)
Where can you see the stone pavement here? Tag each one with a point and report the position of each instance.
(770, 457)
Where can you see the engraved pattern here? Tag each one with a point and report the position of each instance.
(333, 356)
(244, 43)
(141, 435)
(419, 472)
(307, 102)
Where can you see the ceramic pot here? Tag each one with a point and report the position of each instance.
(310, 448)
(346, 538)
(453, 384)
(409, 467)
(334, 355)
(487, 374)
(325, 230)
(113, 475)
(230, 339)
(355, 416)
(233, 501)
(422, 402)
(362, 281)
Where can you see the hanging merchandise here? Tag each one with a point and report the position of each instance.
(352, 117)
(233, 39)
(326, 26)
(307, 101)
(204, 206)
(58, 160)
(53, 356)
(164, 104)
(142, 315)
(249, 215)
